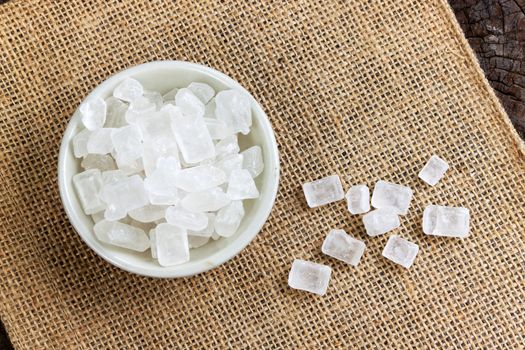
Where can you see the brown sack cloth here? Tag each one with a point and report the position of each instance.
(365, 89)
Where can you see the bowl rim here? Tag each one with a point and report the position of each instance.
(223, 255)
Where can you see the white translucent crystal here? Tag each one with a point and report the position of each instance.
(227, 146)
(229, 218)
(253, 160)
(127, 142)
(200, 178)
(115, 113)
(153, 242)
(190, 104)
(121, 235)
(99, 141)
(153, 151)
(123, 195)
(144, 226)
(193, 138)
(446, 221)
(154, 97)
(209, 110)
(208, 200)
(128, 90)
(208, 230)
(148, 213)
(88, 184)
(217, 128)
(110, 176)
(215, 236)
(309, 276)
(93, 112)
(380, 221)
(158, 199)
(135, 167)
(387, 194)
(229, 163)
(241, 185)
(323, 191)
(341, 246)
(103, 162)
(400, 251)
(197, 241)
(358, 199)
(170, 95)
(186, 219)
(141, 108)
(234, 108)
(433, 171)
(172, 245)
(162, 180)
(80, 141)
(97, 216)
(203, 91)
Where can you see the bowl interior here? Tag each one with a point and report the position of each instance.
(163, 76)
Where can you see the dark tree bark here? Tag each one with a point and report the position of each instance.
(495, 30)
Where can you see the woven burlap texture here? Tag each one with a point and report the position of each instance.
(365, 89)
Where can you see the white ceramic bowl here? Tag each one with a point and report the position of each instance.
(162, 76)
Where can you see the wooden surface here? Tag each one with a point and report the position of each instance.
(496, 31)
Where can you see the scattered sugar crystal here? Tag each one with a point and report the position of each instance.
(97, 216)
(380, 221)
(200, 178)
(190, 104)
(103, 162)
(99, 141)
(193, 138)
(121, 235)
(208, 200)
(252, 160)
(227, 146)
(88, 184)
(433, 171)
(241, 185)
(215, 236)
(229, 163)
(148, 213)
(323, 191)
(197, 241)
(154, 98)
(234, 108)
(387, 194)
(157, 199)
(123, 195)
(208, 230)
(153, 243)
(128, 90)
(172, 245)
(358, 199)
(157, 128)
(309, 276)
(203, 91)
(163, 179)
(139, 109)
(446, 221)
(170, 95)
(341, 246)
(400, 251)
(115, 113)
(187, 219)
(217, 128)
(209, 109)
(127, 142)
(80, 141)
(93, 112)
(229, 218)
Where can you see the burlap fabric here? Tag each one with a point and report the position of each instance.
(365, 89)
